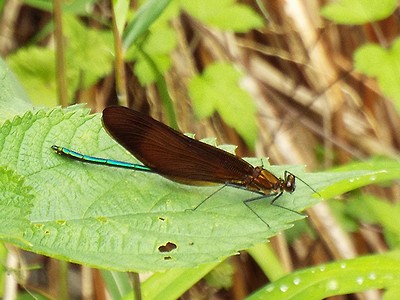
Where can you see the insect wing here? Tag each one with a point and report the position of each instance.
(170, 153)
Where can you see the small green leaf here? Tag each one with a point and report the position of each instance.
(384, 64)
(13, 98)
(348, 213)
(384, 214)
(121, 10)
(358, 12)
(171, 284)
(152, 55)
(360, 174)
(159, 44)
(82, 7)
(221, 277)
(224, 14)
(380, 271)
(35, 66)
(86, 67)
(144, 18)
(266, 258)
(218, 90)
(118, 284)
(355, 209)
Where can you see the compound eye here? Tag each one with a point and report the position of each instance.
(290, 185)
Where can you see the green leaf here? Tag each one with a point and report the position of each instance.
(152, 54)
(86, 67)
(157, 47)
(173, 283)
(35, 66)
(392, 293)
(82, 7)
(13, 99)
(118, 284)
(380, 271)
(224, 14)
(144, 18)
(124, 220)
(86, 212)
(358, 12)
(348, 213)
(383, 64)
(376, 170)
(218, 90)
(221, 277)
(384, 214)
(121, 10)
(265, 257)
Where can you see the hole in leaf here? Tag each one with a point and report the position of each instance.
(168, 247)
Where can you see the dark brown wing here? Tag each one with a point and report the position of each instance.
(170, 153)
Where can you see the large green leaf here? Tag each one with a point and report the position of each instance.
(126, 220)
